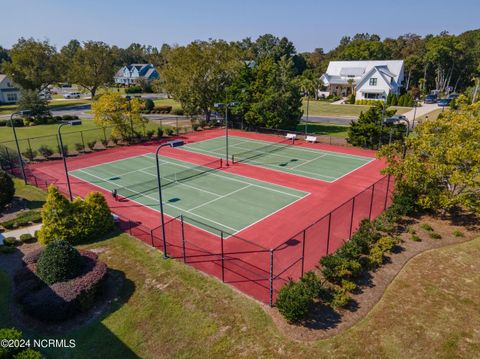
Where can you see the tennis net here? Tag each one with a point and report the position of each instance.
(142, 188)
(261, 151)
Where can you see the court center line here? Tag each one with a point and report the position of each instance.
(216, 199)
(304, 163)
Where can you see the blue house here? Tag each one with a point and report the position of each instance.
(132, 74)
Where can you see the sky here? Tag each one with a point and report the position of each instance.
(309, 24)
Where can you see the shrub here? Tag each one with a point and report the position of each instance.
(159, 132)
(336, 268)
(23, 219)
(169, 131)
(426, 227)
(10, 241)
(195, 126)
(377, 253)
(61, 300)
(340, 298)
(294, 301)
(9, 334)
(178, 111)
(133, 89)
(349, 286)
(149, 105)
(28, 354)
(434, 235)
(29, 154)
(415, 238)
(150, 134)
(27, 238)
(7, 189)
(411, 230)
(45, 151)
(351, 99)
(312, 284)
(79, 147)
(59, 262)
(3, 123)
(458, 233)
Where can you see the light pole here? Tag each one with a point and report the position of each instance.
(414, 112)
(226, 106)
(306, 122)
(64, 157)
(175, 143)
(24, 113)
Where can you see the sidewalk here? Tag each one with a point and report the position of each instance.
(18, 232)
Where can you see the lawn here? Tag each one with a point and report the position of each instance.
(327, 109)
(167, 102)
(340, 131)
(432, 115)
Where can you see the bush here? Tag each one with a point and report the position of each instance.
(59, 262)
(149, 105)
(426, 227)
(28, 354)
(9, 334)
(178, 111)
(163, 109)
(150, 134)
(312, 284)
(7, 249)
(335, 268)
(29, 154)
(294, 301)
(458, 234)
(340, 298)
(133, 89)
(377, 253)
(45, 151)
(434, 235)
(415, 238)
(23, 219)
(7, 189)
(159, 132)
(170, 131)
(351, 99)
(10, 241)
(27, 238)
(61, 300)
(347, 285)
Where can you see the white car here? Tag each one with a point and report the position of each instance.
(72, 95)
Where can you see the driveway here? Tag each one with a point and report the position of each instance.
(425, 109)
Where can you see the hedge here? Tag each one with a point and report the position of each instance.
(23, 219)
(62, 300)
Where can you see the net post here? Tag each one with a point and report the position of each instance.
(351, 217)
(371, 203)
(221, 162)
(271, 278)
(328, 234)
(386, 193)
(183, 240)
(303, 251)
(223, 258)
(233, 159)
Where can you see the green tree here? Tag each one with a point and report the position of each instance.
(198, 74)
(31, 100)
(7, 189)
(368, 131)
(275, 98)
(442, 162)
(92, 66)
(33, 64)
(111, 109)
(97, 216)
(4, 55)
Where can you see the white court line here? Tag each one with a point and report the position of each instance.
(304, 163)
(166, 204)
(185, 185)
(107, 163)
(216, 199)
(231, 177)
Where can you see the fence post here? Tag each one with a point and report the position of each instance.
(371, 203)
(386, 193)
(151, 237)
(58, 145)
(351, 218)
(83, 141)
(104, 134)
(223, 258)
(329, 226)
(30, 147)
(176, 125)
(271, 277)
(183, 240)
(303, 250)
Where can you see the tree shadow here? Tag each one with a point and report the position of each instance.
(322, 317)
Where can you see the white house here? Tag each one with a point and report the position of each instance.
(367, 79)
(9, 93)
(131, 74)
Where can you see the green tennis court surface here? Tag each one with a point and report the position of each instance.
(282, 156)
(222, 200)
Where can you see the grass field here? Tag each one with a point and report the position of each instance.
(301, 161)
(327, 109)
(210, 198)
(167, 309)
(340, 131)
(52, 105)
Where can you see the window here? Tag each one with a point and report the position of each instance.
(11, 97)
(373, 81)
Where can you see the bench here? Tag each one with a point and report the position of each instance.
(311, 139)
(291, 136)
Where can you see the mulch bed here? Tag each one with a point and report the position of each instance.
(324, 322)
(110, 294)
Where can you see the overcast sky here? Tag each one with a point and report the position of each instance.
(308, 23)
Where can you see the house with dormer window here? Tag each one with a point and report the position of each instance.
(134, 73)
(368, 80)
(9, 92)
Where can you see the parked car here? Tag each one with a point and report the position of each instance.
(452, 96)
(430, 99)
(72, 95)
(444, 102)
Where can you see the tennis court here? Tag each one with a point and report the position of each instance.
(283, 156)
(226, 201)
